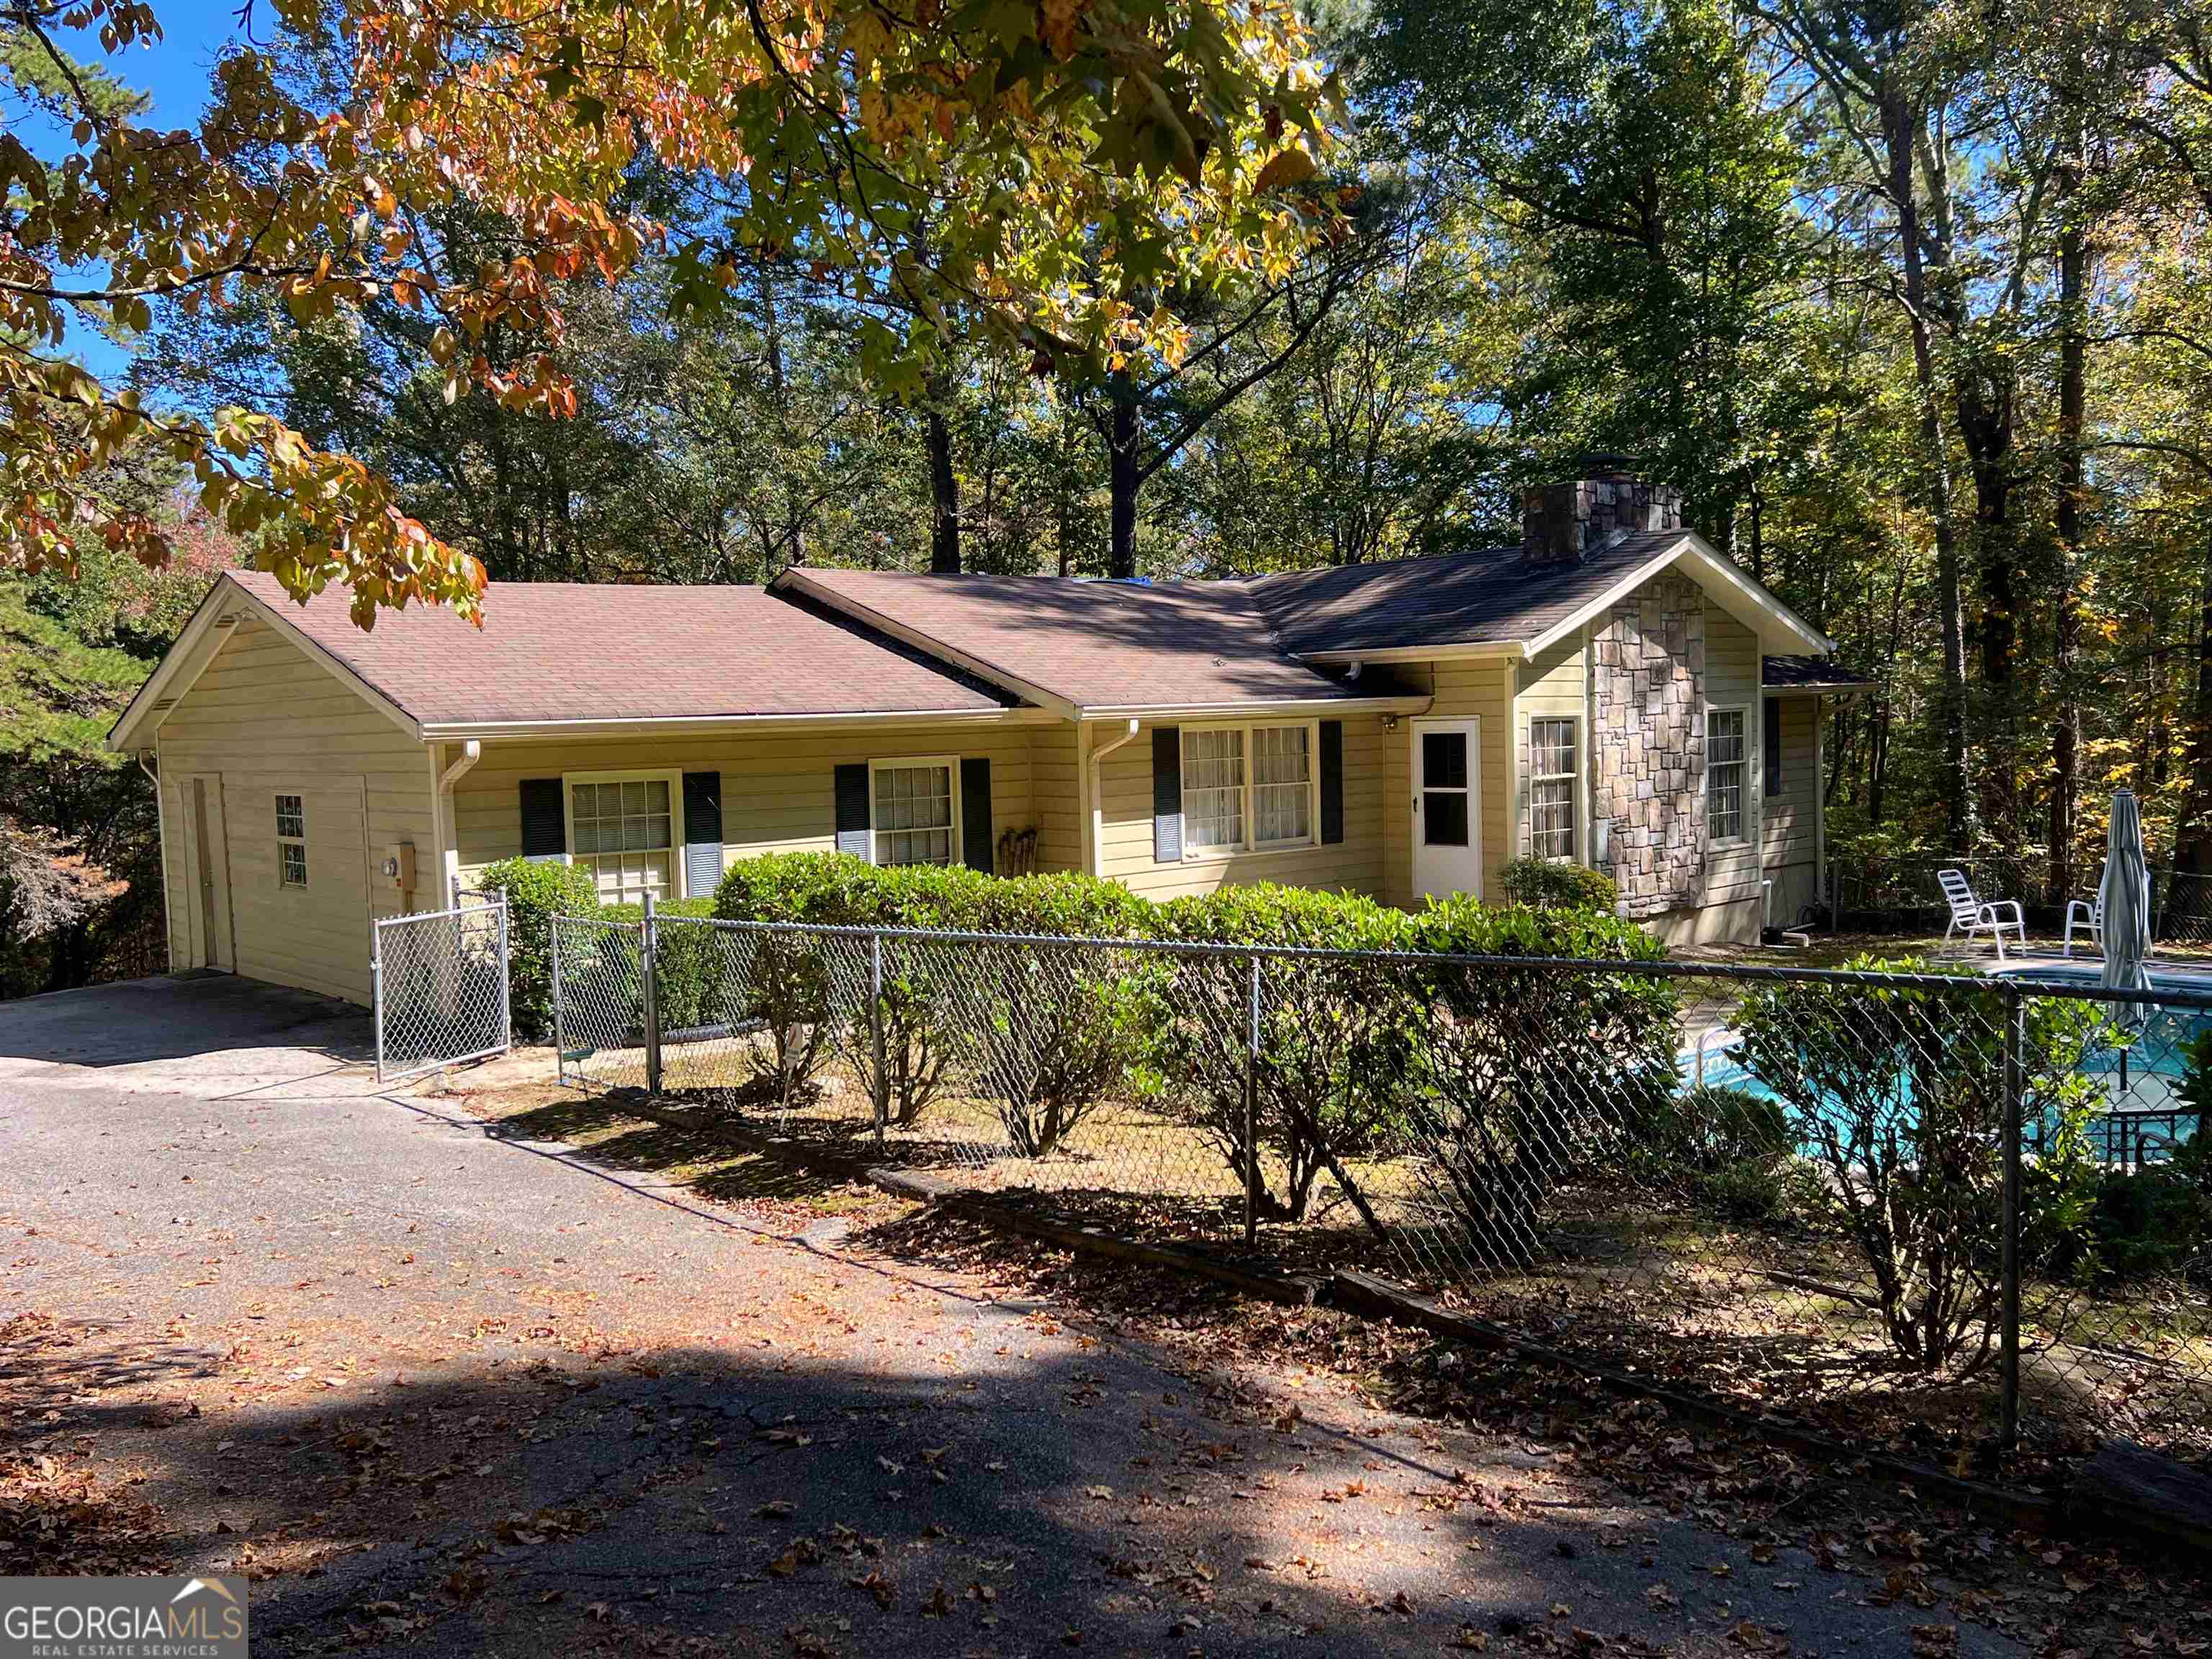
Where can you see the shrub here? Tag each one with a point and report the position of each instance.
(1527, 1076)
(1725, 1149)
(919, 981)
(688, 968)
(1549, 884)
(1057, 1029)
(535, 894)
(1896, 1093)
(1334, 1037)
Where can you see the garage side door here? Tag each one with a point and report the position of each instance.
(300, 879)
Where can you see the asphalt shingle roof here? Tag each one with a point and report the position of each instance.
(1496, 596)
(1100, 645)
(561, 651)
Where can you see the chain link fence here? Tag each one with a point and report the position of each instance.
(1969, 1206)
(441, 989)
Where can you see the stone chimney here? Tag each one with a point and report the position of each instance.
(1564, 523)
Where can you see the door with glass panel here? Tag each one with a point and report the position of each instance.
(1447, 807)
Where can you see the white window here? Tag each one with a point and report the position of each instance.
(1554, 771)
(622, 830)
(1727, 770)
(915, 811)
(1248, 788)
(291, 841)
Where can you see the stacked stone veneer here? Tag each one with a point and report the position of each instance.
(1647, 692)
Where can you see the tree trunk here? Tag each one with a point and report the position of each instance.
(944, 487)
(1986, 410)
(2193, 834)
(1123, 479)
(2066, 727)
(1898, 127)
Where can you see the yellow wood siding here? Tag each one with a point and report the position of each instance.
(1732, 681)
(268, 718)
(1353, 863)
(1789, 830)
(1462, 688)
(1055, 796)
(778, 788)
(1554, 684)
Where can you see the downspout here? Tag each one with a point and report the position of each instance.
(449, 852)
(1097, 810)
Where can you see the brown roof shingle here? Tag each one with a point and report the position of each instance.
(1097, 645)
(559, 651)
(1495, 596)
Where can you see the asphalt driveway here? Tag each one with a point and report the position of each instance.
(443, 1388)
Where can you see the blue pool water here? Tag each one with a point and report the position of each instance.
(2142, 1118)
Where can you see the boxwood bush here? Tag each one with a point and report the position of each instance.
(535, 894)
(1548, 885)
(1355, 1057)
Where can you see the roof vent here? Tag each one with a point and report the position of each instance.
(163, 704)
(230, 621)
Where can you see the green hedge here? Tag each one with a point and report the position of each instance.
(535, 894)
(1354, 1054)
(1548, 885)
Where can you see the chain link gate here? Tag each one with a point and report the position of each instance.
(441, 989)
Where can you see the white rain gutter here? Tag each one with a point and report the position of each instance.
(1097, 811)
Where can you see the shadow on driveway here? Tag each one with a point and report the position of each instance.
(193, 1031)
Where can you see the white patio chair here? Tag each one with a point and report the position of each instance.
(2088, 914)
(1970, 916)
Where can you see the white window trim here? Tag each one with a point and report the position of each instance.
(1311, 838)
(901, 763)
(1574, 718)
(675, 782)
(1750, 763)
(283, 841)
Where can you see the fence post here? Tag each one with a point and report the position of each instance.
(2015, 1129)
(376, 989)
(1252, 1104)
(506, 993)
(648, 973)
(553, 967)
(883, 1090)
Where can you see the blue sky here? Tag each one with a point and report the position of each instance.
(175, 71)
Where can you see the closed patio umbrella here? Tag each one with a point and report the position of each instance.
(2126, 894)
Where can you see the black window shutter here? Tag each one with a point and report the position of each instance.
(544, 826)
(1332, 781)
(1772, 744)
(853, 811)
(975, 840)
(702, 833)
(1167, 794)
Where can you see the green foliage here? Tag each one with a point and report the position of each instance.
(1529, 1076)
(1896, 1093)
(1726, 1150)
(1549, 884)
(1336, 1038)
(535, 894)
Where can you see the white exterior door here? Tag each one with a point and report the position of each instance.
(1448, 807)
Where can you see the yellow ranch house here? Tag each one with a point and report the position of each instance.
(1612, 690)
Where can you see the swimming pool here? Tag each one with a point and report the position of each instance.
(2142, 1117)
